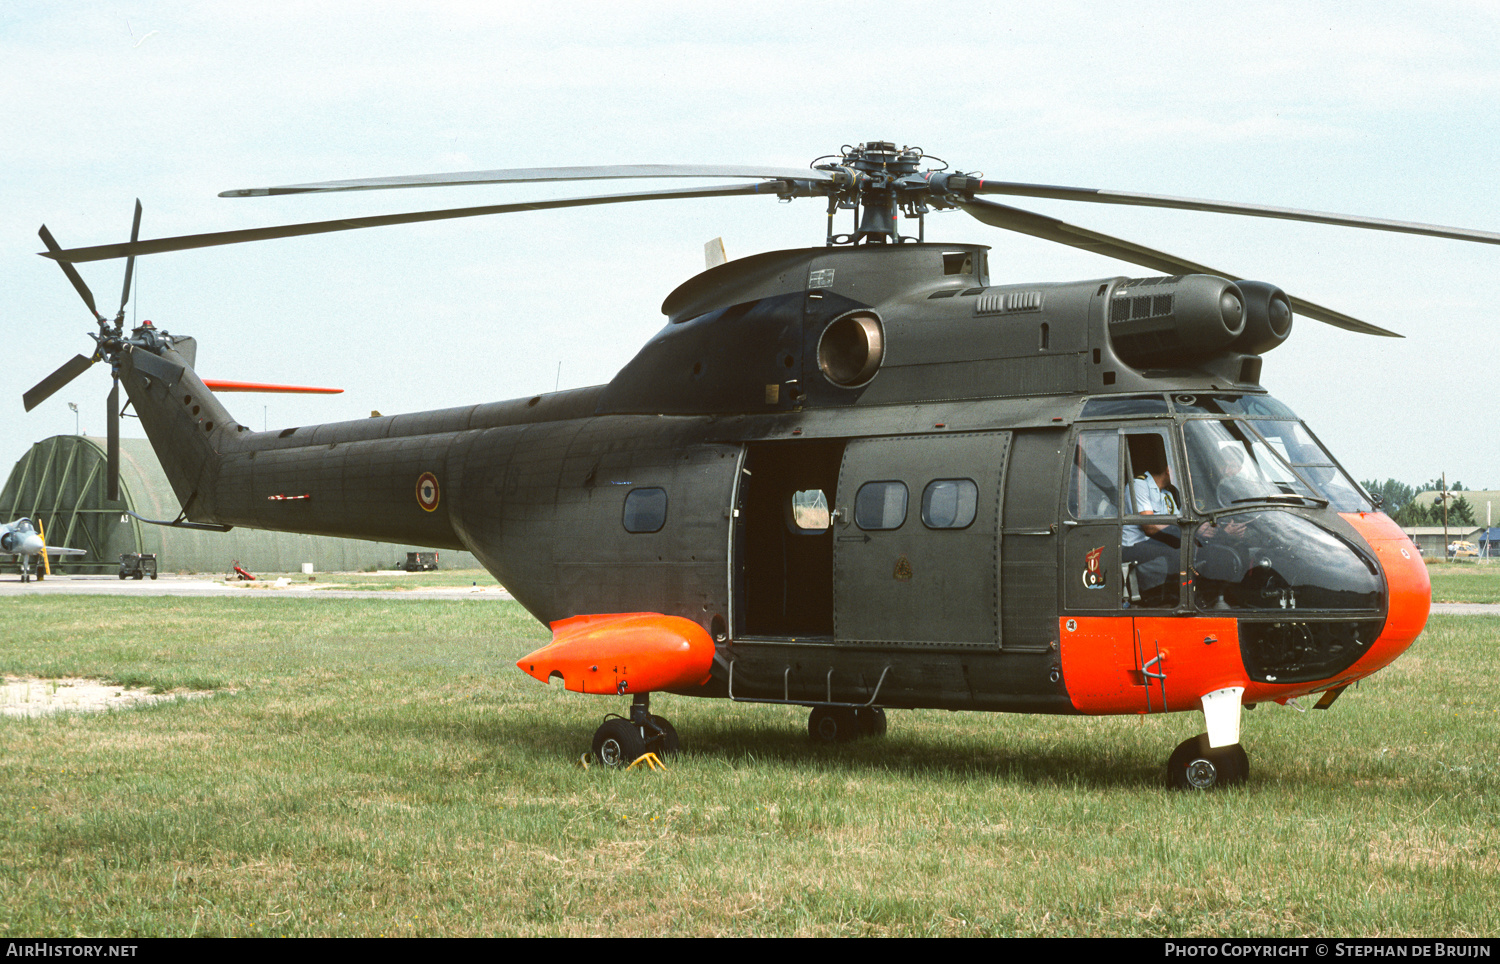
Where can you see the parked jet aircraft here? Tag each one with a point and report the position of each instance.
(28, 547)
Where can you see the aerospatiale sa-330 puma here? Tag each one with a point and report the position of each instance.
(861, 476)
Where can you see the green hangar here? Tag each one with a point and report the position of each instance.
(60, 483)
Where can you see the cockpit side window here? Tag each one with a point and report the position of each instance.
(1094, 489)
(1148, 455)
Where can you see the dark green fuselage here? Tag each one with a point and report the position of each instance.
(727, 412)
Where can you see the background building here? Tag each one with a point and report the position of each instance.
(60, 483)
(1430, 539)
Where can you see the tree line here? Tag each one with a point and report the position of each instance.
(1398, 501)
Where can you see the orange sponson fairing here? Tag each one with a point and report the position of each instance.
(1103, 656)
(624, 653)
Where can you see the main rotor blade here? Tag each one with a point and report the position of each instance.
(112, 447)
(135, 234)
(1051, 229)
(158, 245)
(70, 271)
(45, 388)
(536, 175)
(1101, 196)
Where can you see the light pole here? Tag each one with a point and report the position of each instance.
(74, 407)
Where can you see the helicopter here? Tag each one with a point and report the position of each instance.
(860, 476)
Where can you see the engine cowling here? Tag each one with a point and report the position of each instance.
(1268, 318)
(1164, 322)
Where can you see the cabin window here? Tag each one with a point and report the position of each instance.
(645, 510)
(949, 503)
(880, 505)
(810, 510)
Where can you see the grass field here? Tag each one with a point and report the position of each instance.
(1465, 582)
(379, 767)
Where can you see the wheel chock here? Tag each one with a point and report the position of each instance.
(651, 760)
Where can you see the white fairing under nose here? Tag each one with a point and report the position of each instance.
(1221, 711)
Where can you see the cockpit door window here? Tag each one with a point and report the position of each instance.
(1094, 490)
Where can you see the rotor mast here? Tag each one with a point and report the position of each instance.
(877, 181)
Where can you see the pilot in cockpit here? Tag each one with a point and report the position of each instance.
(1153, 547)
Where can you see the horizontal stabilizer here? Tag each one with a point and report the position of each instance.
(624, 653)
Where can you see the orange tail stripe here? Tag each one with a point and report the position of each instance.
(217, 385)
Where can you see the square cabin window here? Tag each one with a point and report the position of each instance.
(880, 505)
(949, 503)
(645, 510)
(810, 510)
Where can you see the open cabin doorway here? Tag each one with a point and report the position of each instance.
(783, 539)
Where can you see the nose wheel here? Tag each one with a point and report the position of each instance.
(1195, 765)
(619, 742)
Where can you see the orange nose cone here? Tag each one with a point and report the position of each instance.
(1407, 582)
(624, 653)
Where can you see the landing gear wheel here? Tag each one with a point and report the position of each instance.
(665, 745)
(833, 724)
(618, 743)
(1195, 765)
(871, 720)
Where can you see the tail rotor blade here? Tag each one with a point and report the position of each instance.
(46, 387)
(112, 450)
(135, 234)
(71, 272)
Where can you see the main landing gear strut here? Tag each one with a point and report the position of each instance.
(619, 742)
(840, 724)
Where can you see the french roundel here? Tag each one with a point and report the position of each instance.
(427, 491)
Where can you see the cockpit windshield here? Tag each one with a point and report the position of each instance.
(1296, 444)
(1241, 462)
(1230, 465)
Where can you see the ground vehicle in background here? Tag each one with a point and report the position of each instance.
(137, 565)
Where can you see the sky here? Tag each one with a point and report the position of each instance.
(1384, 110)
